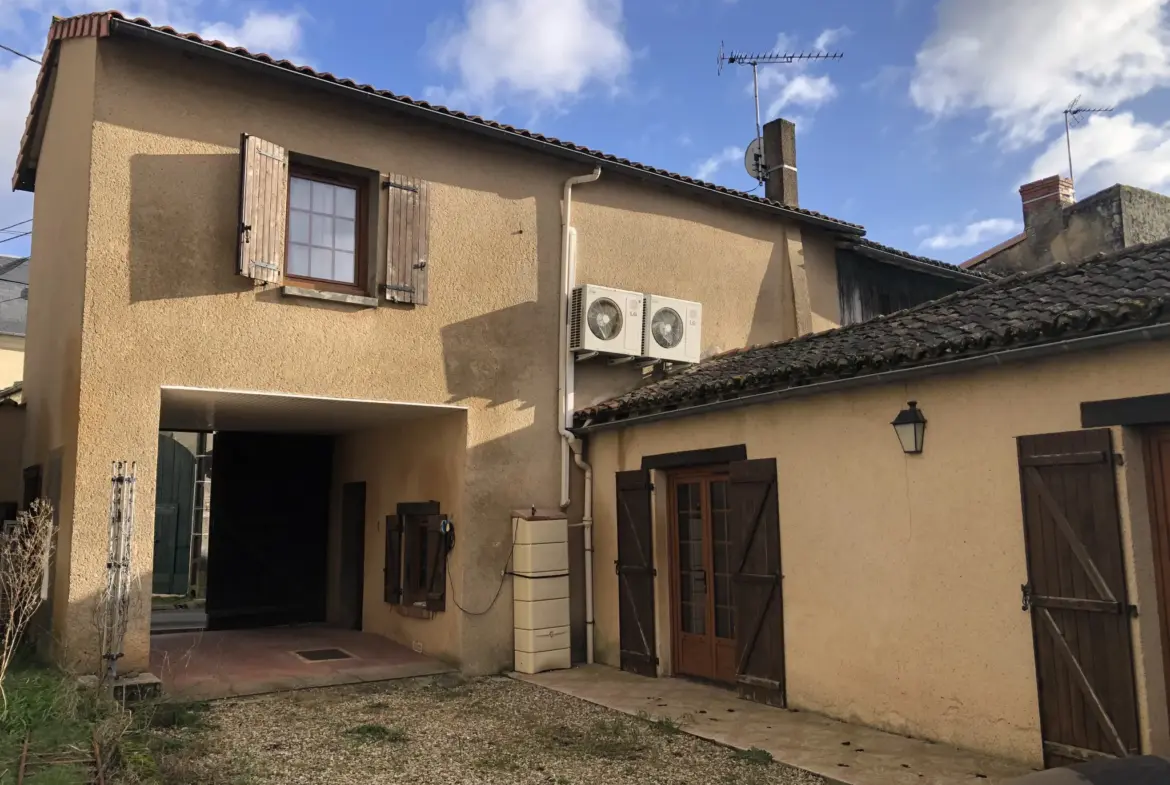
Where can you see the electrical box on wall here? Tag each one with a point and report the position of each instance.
(602, 319)
(672, 329)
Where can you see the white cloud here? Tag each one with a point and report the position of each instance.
(261, 31)
(24, 24)
(786, 85)
(1022, 62)
(1110, 149)
(704, 170)
(975, 233)
(533, 52)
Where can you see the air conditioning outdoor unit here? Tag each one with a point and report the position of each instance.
(607, 320)
(673, 329)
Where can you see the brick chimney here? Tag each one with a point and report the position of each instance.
(780, 159)
(1045, 200)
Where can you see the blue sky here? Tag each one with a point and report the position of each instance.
(939, 111)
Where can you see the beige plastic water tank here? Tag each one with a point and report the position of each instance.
(540, 590)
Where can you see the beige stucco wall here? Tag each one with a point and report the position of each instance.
(418, 460)
(56, 284)
(902, 573)
(163, 305)
(11, 360)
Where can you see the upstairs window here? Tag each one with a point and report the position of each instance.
(324, 236)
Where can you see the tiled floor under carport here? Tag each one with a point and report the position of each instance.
(224, 663)
(838, 751)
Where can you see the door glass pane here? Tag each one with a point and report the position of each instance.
(722, 552)
(692, 579)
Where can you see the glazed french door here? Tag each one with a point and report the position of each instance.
(703, 609)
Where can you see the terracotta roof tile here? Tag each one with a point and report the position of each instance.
(107, 23)
(1106, 293)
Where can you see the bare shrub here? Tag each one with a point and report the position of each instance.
(25, 550)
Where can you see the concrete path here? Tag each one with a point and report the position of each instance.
(843, 753)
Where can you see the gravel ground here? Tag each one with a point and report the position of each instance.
(444, 731)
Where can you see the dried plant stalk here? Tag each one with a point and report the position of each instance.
(25, 551)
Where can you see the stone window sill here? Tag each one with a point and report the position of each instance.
(333, 297)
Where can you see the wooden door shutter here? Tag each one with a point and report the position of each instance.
(392, 577)
(263, 210)
(635, 570)
(407, 224)
(1076, 593)
(757, 583)
(436, 545)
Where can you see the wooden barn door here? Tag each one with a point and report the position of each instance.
(635, 571)
(757, 581)
(1076, 593)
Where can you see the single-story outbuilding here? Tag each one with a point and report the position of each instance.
(997, 579)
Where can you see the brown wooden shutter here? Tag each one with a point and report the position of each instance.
(1076, 593)
(263, 210)
(436, 545)
(754, 529)
(635, 570)
(408, 219)
(32, 485)
(392, 578)
(413, 581)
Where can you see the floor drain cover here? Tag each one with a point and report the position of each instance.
(321, 655)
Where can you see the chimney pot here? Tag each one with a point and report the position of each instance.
(1045, 198)
(780, 162)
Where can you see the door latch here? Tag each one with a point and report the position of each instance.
(1025, 597)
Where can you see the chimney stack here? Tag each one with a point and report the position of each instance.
(1045, 200)
(780, 160)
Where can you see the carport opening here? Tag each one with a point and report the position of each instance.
(246, 494)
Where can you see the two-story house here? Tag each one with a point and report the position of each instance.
(363, 296)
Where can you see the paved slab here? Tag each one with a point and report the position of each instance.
(226, 663)
(838, 751)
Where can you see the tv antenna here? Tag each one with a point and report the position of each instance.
(755, 60)
(1073, 116)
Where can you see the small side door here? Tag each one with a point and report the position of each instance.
(1076, 594)
(635, 571)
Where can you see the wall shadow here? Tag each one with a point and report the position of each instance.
(490, 356)
(183, 248)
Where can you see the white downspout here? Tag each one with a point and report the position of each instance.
(564, 395)
(564, 368)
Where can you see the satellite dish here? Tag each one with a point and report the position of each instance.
(753, 160)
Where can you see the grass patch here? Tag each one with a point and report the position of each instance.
(499, 760)
(665, 725)
(754, 755)
(372, 732)
(615, 739)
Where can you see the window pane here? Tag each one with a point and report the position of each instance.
(299, 193)
(298, 259)
(298, 227)
(343, 234)
(322, 231)
(346, 202)
(322, 198)
(343, 267)
(321, 263)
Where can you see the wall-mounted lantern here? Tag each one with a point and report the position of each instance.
(910, 426)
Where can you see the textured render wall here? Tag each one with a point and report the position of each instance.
(902, 573)
(56, 283)
(1091, 226)
(413, 461)
(163, 305)
(1145, 215)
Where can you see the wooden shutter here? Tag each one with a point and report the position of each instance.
(635, 570)
(436, 544)
(408, 218)
(1076, 593)
(392, 578)
(32, 485)
(754, 524)
(413, 581)
(263, 210)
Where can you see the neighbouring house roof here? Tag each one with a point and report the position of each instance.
(976, 261)
(1103, 297)
(13, 306)
(891, 255)
(113, 23)
(11, 396)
